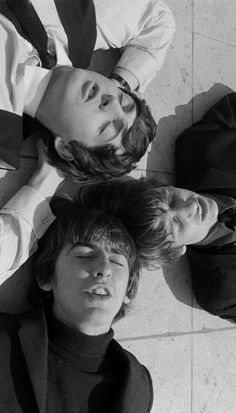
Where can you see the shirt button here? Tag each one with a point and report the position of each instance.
(45, 220)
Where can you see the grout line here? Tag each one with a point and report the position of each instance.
(216, 40)
(171, 334)
(207, 37)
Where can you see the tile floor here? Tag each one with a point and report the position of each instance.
(190, 354)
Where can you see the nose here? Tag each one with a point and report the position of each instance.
(187, 210)
(102, 268)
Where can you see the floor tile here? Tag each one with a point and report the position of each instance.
(167, 95)
(213, 74)
(182, 11)
(169, 362)
(214, 373)
(156, 311)
(216, 19)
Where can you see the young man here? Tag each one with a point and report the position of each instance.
(68, 101)
(199, 214)
(61, 357)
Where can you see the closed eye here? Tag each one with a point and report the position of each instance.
(117, 263)
(103, 127)
(84, 256)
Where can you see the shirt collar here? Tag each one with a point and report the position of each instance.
(36, 81)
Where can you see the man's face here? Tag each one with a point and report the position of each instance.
(188, 215)
(89, 286)
(85, 106)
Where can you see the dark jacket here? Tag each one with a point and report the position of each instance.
(206, 162)
(23, 369)
(79, 22)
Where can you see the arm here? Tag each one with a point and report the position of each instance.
(145, 54)
(25, 218)
(208, 143)
(213, 280)
(143, 31)
(222, 116)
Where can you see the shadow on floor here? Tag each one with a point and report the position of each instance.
(169, 127)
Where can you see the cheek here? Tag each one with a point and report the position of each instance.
(122, 284)
(84, 129)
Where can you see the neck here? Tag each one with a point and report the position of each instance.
(86, 326)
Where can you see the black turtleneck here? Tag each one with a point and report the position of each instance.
(81, 375)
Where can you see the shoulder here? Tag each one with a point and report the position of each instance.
(11, 322)
(213, 279)
(137, 376)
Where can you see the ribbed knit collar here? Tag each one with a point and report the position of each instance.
(80, 350)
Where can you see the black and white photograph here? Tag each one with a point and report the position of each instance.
(117, 206)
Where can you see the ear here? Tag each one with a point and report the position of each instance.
(45, 286)
(184, 249)
(62, 149)
(126, 300)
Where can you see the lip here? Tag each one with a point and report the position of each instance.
(87, 88)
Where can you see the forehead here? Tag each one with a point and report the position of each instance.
(96, 245)
(177, 192)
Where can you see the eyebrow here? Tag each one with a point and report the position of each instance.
(94, 247)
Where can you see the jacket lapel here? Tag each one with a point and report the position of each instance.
(135, 393)
(34, 342)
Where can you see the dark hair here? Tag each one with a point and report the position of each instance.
(79, 225)
(139, 205)
(103, 162)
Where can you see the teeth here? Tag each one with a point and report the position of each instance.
(199, 208)
(98, 291)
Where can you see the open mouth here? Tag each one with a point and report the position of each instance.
(203, 208)
(99, 291)
(89, 90)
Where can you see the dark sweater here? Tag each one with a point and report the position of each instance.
(81, 375)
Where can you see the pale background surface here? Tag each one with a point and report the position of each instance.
(190, 354)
